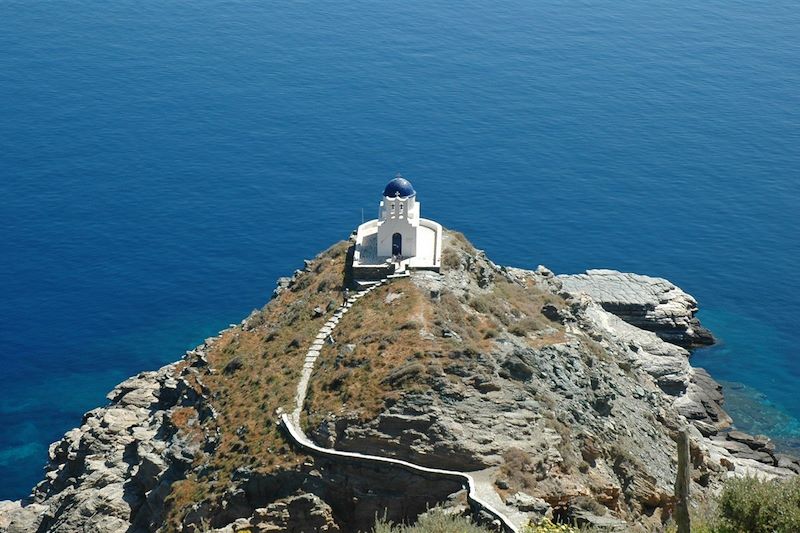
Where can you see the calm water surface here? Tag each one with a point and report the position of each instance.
(161, 163)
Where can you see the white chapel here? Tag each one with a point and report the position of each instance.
(399, 239)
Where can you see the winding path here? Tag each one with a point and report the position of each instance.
(291, 422)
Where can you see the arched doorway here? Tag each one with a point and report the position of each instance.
(397, 244)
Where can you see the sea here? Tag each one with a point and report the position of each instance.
(163, 162)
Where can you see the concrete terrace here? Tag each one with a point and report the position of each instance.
(429, 247)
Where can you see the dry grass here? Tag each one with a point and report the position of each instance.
(450, 258)
(247, 395)
(380, 353)
(459, 240)
(181, 417)
(184, 492)
(387, 354)
(520, 471)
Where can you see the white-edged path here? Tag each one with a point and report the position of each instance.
(291, 422)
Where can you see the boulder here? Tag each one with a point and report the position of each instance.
(527, 503)
(16, 517)
(702, 403)
(296, 514)
(758, 442)
(788, 462)
(586, 519)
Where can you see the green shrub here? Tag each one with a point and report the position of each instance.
(756, 506)
(546, 526)
(434, 521)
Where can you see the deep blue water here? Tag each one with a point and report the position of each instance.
(161, 163)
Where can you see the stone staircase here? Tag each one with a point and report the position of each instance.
(291, 422)
(324, 333)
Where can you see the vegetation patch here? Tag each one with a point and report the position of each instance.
(756, 506)
(378, 353)
(384, 347)
(435, 521)
(254, 372)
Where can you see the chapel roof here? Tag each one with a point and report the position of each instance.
(399, 186)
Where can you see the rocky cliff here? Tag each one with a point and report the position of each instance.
(560, 394)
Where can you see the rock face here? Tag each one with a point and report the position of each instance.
(564, 406)
(527, 503)
(295, 514)
(759, 449)
(696, 395)
(325, 496)
(617, 386)
(653, 304)
(114, 471)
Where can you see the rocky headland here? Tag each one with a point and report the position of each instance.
(560, 395)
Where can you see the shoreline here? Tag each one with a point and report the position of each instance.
(657, 305)
(135, 414)
(737, 361)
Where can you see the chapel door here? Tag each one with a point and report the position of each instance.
(397, 244)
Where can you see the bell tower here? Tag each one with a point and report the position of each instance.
(398, 219)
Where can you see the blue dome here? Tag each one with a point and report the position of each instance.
(399, 187)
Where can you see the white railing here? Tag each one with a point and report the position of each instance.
(467, 480)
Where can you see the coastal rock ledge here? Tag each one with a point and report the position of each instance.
(560, 395)
(653, 304)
